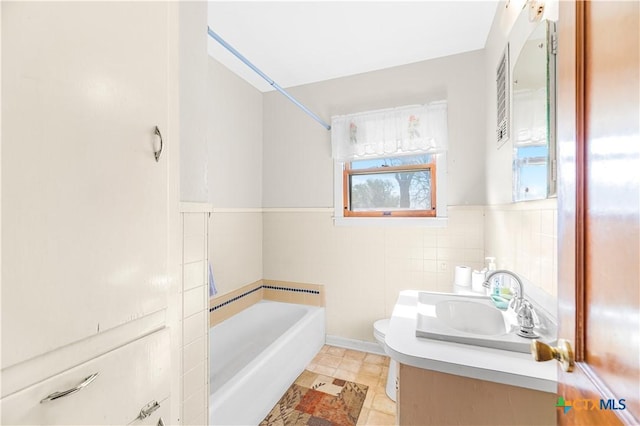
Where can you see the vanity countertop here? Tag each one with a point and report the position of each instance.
(494, 365)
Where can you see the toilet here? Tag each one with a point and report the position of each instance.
(380, 329)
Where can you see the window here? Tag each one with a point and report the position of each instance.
(390, 186)
(388, 162)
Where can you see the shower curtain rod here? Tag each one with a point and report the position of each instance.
(238, 55)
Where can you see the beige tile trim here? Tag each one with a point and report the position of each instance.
(294, 292)
(229, 304)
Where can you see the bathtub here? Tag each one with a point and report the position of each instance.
(255, 355)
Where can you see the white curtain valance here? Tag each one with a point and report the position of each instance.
(409, 130)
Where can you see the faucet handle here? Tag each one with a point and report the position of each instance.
(526, 319)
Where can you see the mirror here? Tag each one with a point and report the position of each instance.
(533, 116)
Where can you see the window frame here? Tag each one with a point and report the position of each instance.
(347, 172)
(439, 221)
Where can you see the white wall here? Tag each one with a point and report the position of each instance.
(298, 169)
(235, 248)
(194, 185)
(234, 136)
(234, 145)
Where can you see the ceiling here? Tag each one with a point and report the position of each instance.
(300, 42)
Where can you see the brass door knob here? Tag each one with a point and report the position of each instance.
(563, 353)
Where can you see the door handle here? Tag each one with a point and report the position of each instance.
(158, 153)
(563, 353)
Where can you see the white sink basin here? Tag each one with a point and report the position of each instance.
(473, 320)
(471, 317)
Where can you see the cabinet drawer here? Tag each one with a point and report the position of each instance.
(127, 379)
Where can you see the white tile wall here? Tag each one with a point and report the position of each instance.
(193, 246)
(364, 268)
(193, 353)
(193, 328)
(194, 275)
(194, 380)
(195, 358)
(523, 238)
(195, 409)
(194, 301)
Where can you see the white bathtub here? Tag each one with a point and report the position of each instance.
(255, 356)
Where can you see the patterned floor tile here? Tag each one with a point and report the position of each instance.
(359, 367)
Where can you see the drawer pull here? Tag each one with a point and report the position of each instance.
(86, 382)
(148, 409)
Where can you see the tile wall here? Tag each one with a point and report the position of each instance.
(523, 237)
(364, 268)
(195, 343)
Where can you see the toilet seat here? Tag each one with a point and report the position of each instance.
(380, 329)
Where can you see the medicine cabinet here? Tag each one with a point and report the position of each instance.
(533, 116)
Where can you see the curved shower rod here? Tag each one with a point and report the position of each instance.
(275, 85)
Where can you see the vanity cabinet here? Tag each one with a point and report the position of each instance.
(429, 397)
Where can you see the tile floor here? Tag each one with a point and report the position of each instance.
(360, 367)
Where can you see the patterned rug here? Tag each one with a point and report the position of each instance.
(317, 400)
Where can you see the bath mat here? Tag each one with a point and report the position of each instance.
(318, 400)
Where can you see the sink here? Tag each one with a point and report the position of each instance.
(474, 320)
(471, 317)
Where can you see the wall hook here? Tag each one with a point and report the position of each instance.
(158, 153)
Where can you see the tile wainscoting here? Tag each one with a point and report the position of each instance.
(229, 304)
(524, 238)
(195, 339)
(364, 268)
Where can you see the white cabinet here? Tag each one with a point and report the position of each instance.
(128, 379)
(84, 202)
(87, 211)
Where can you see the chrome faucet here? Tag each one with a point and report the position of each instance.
(521, 306)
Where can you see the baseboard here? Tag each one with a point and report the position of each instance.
(358, 345)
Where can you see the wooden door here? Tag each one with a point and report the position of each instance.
(84, 202)
(599, 210)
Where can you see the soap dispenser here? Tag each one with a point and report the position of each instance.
(491, 263)
(494, 287)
